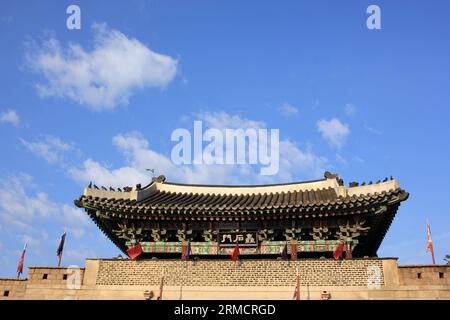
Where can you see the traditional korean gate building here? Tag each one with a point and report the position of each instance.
(313, 217)
(309, 218)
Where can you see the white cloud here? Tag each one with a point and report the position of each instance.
(103, 176)
(10, 116)
(222, 120)
(359, 159)
(7, 19)
(372, 130)
(288, 110)
(74, 219)
(341, 159)
(350, 109)
(104, 77)
(80, 254)
(23, 205)
(294, 162)
(32, 241)
(50, 148)
(16, 202)
(334, 132)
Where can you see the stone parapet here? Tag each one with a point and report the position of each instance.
(373, 278)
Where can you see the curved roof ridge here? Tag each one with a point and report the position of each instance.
(242, 185)
(246, 189)
(331, 181)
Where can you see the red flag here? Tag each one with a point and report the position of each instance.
(297, 290)
(135, 251)
(430, 243)
(22, 259)
(235, 254)
(60, 249)
(348, 251)
(338, 251)
(294, 251)
(186, 251)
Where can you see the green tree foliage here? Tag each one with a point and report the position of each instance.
(447, 258)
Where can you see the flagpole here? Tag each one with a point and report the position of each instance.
(298, 285)
(161, 286)
(430, 241)
(307, 288)
(432, 256)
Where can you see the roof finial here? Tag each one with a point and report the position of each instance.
(159, 179)
(329, 175)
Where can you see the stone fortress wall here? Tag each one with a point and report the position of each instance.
(369, 278)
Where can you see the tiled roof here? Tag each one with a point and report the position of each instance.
(327, 196)
(326, 199)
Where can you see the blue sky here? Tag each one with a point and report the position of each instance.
(363, 103)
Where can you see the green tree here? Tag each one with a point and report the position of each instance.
(447, 258)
